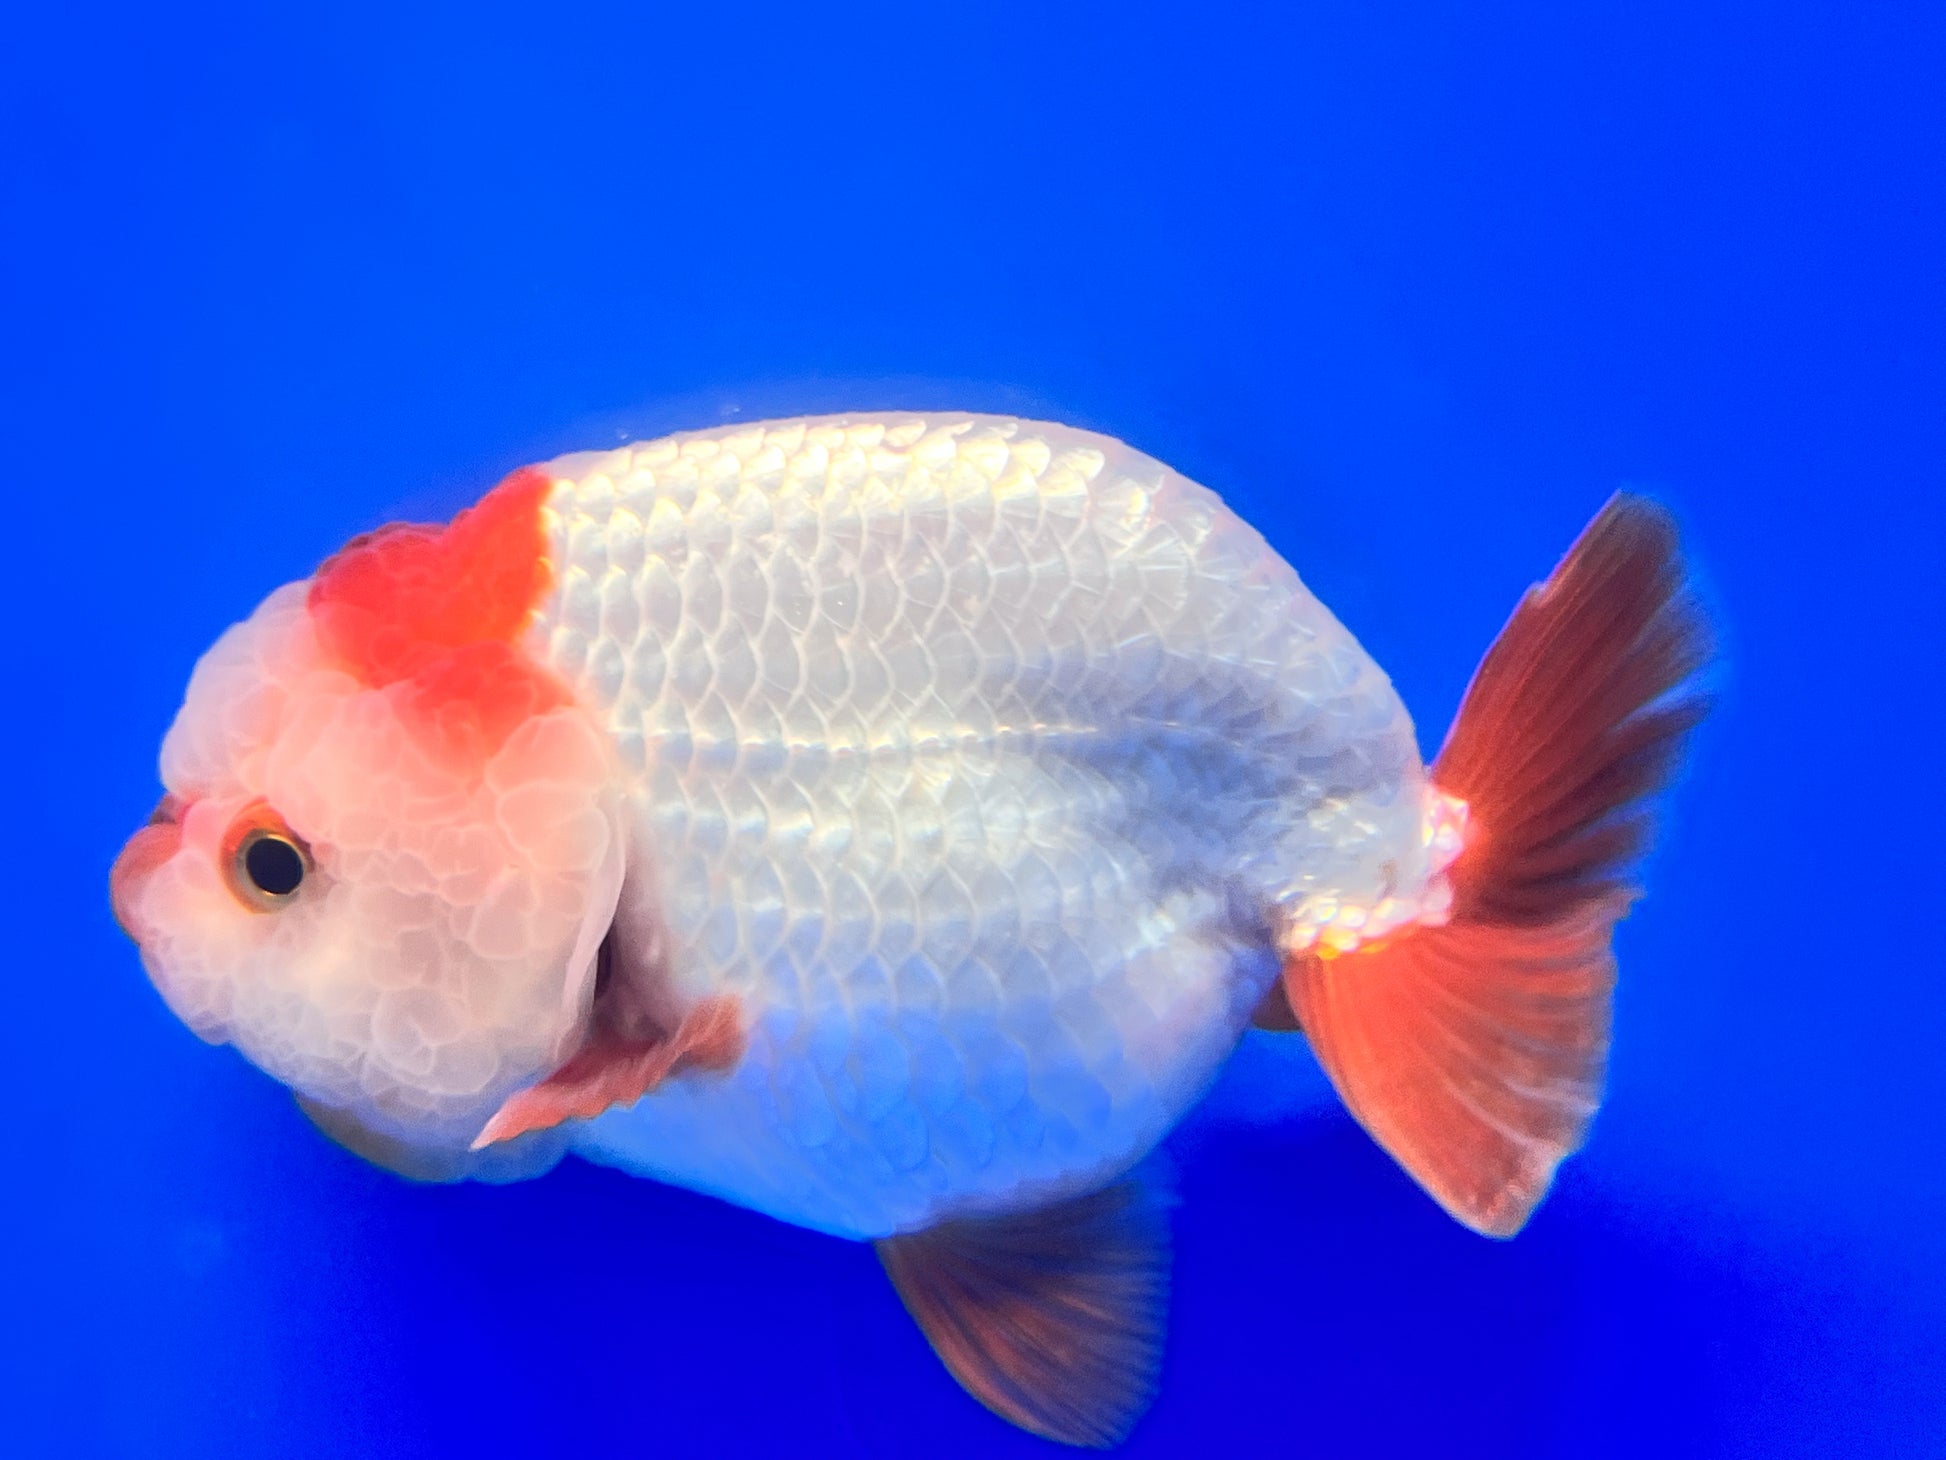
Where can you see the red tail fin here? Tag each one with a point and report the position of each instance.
(1474, 1052)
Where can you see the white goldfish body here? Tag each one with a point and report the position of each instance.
(891, 824)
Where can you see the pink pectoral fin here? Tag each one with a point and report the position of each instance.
(613, 1070)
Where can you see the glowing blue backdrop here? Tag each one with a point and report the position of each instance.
(1416, 291)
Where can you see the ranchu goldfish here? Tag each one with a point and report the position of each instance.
(891, 824)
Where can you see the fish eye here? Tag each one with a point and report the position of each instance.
(265, 863)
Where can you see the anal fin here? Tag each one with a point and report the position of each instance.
(1275, 1013)
(1054, 1318)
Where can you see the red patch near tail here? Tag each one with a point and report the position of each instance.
(443, 608)
(1474, 1052)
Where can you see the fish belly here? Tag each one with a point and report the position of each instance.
(985, 762)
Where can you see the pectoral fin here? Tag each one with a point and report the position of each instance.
(618, 1069)
(514, 1161)
(1053, 1319)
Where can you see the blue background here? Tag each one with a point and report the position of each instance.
(1416, 291)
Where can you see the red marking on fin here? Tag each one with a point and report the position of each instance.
(443, 607)
(615, 1069)
(1474, 1052)
(1053, 1319)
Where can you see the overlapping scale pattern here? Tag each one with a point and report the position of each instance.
(440, 951)
(986, 762)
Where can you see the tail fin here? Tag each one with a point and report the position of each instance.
(1474, 1052)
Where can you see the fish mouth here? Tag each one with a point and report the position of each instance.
(148, 849)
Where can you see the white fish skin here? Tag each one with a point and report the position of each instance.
(989, 764)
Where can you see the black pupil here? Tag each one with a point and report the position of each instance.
(274, 865)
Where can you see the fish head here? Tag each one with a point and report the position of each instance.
(387, 895)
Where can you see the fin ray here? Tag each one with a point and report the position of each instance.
(613, 1069)
(1053, 1318)
(1475, 1052)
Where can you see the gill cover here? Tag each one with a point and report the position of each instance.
(456, 829)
